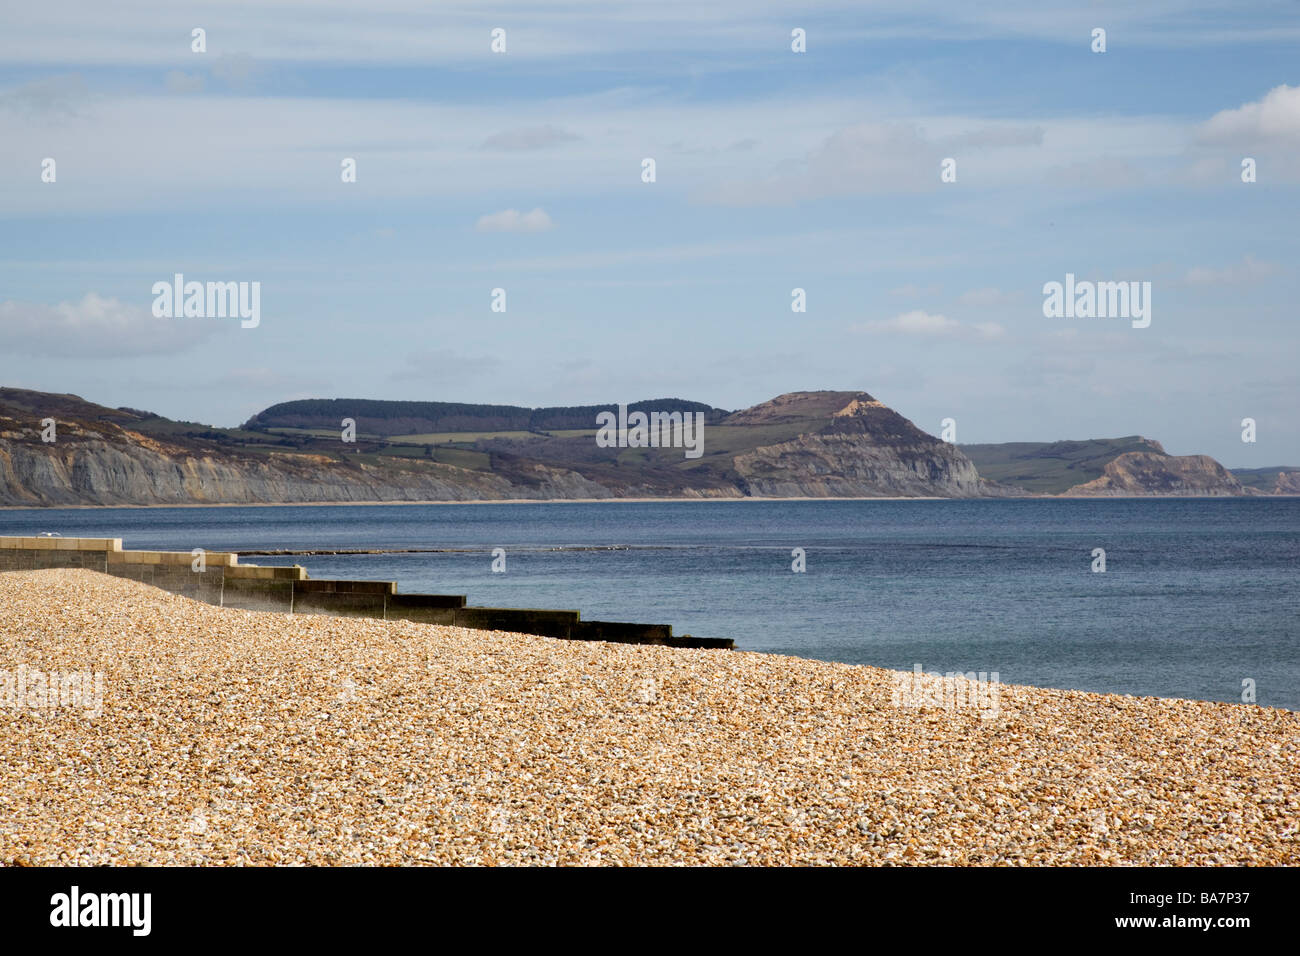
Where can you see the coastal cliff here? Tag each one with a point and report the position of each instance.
(1115, 467)
(817, 444)
(866, 450)
(90, 468)
(1150, 473)
(1288, 483)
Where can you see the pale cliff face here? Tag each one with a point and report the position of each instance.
(842, 444)
(1147, 473)
(845, 466)
(114, 467)
(1288, 483)
(100, 473)
(801, 444)
(865, 450)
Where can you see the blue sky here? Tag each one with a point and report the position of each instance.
(775, 170)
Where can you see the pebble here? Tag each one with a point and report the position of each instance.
(242, 738)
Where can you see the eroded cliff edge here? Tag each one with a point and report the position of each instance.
(1150, 473)
(818, 444)
(865, 450)
(814, 444)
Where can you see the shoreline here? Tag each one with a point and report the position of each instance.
(231, 737)
(436, 501)
(596, 501)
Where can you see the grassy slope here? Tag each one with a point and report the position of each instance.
(1265, 479)
(1051, 467)
(1040, 467)
(509, 452)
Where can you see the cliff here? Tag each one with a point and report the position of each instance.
(1053, 468)
(865, 450)
(1288, 483)
(1150, 473)
(1273, 480)
(802, 444)
(820, 444)
(87, 467)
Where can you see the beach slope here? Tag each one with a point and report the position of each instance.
(233, 737)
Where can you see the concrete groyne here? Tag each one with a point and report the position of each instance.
(217, 577)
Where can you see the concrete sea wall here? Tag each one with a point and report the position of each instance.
(221, 580)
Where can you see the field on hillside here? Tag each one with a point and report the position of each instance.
(1050, 468)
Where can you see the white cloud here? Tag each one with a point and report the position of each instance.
(1275, 117)
(143, 32)
(915, 322)
(96, 327)
(932, 325)
(874, 158)
(405, 149)
(531, 137)
(994, 137)
(1104, 172)
(53, 96)
(178, 81)
(1208, 170)
(413, 149)
(511, 220)
(854, 160)
(1249, 269)
(237, 70)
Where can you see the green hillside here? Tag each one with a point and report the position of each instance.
(1050, 468)
(1265, 479)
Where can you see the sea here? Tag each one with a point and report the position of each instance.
(1199, 598)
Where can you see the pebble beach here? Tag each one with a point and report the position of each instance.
(230, 737)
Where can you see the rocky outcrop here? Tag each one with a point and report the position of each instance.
(836, 466)
(1288, 483)
(865, 450)
(1149, 473)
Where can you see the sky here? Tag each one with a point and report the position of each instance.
(775, 170)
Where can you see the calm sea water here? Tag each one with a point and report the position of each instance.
(1197, 594)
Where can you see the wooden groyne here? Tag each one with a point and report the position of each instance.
(217, 577)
